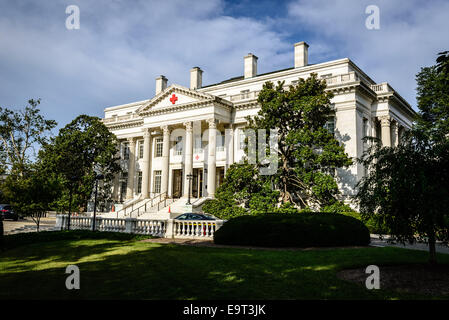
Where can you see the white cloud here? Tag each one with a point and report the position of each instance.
(411, 33)
(121, 48)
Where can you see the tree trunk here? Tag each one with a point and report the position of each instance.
(1, 233)
(70, 208)
(432, 248)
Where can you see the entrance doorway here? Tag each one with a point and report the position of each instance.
(177, 183)
(197, 183)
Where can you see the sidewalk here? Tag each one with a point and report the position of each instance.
(377, 242)
(28, 225)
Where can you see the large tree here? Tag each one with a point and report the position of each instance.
(433, 97)
(83, 148)
(407, 186)
(243, 191)
(32, 192)
(21, 132)
(308, 153)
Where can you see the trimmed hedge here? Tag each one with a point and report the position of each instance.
(294, 230)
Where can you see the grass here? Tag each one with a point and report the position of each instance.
(122, 267)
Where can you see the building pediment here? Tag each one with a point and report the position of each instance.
(175, 97)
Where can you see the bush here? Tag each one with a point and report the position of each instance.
(371, 225)
(294, 230)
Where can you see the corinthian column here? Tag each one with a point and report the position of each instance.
(211, 159)
(146, 162)
(165, 159)
(386, 131)
(188, 160)
(131, 168)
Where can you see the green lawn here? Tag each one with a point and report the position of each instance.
(123, 267)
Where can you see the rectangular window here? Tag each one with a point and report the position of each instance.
(126, 151)
(141, 149)
(198, 145)
(220, 141)
(123, 185)
(159, 146)
(157, 181)
(330, 125)
(139, 182)
(242, 138)
(178, 146)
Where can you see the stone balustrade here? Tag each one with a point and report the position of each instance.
(382, 87)
(169, 228)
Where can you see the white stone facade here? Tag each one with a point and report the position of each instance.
(161, 137)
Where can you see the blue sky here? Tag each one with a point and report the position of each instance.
(122, 46)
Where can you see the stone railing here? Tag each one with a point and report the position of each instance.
(244, 96)
(381, 87)
(169, 228)
(342, 78)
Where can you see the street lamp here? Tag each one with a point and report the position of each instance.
(189, 177)
(97, 177)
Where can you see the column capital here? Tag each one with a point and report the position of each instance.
(131, 140)
(146, 132)
(385, 120)
(165, 129)
(212, 123)
(189, 126)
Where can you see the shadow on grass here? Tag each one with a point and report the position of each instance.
(138, 270)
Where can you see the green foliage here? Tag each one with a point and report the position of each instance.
(308, 153)
(83, 148)
(20, 132)
(433, 101)
(406, 189)
(337, 207)
(242, 192)
(293, 230)
(31, 192)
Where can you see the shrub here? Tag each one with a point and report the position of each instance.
(223, 210)
(371, 225)
(294, 230)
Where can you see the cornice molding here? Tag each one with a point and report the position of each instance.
(124, 125)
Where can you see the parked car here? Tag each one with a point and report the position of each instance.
(193, 216)
(7, 212)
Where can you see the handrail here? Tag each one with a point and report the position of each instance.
(145, 205)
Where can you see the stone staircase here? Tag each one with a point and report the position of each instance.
(158, 207)
(175, 208)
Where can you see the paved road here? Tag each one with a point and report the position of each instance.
(375, 241)
(28, 225)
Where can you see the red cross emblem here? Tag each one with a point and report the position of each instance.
(197, 157)
(173, 98)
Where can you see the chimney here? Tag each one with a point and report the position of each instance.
(301, 54)
(196, 78)
(250, 62)
(161, 84)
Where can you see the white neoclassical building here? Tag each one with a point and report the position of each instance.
(177, 137)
